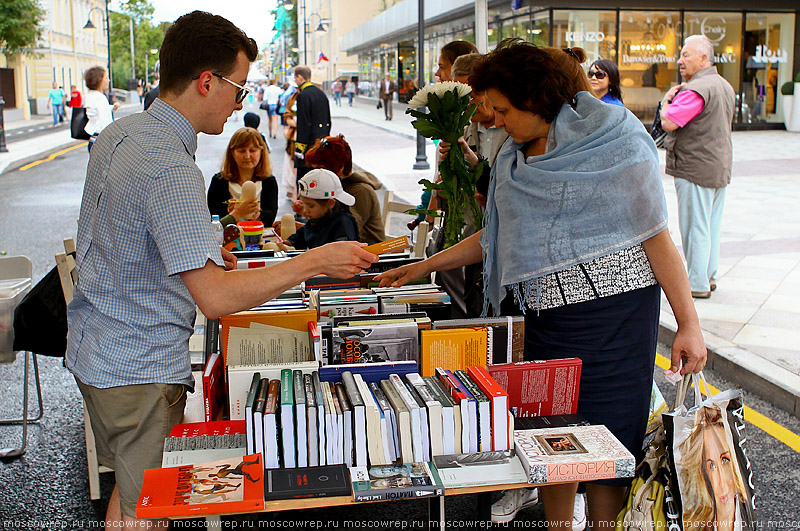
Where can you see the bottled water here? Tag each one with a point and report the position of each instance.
(216, 226)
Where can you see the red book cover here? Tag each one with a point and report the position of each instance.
(216, 427)
(451, 383)
(538, 388)
(499, 399)
(214, 387)
(229, 485)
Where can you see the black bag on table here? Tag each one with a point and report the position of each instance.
(77, 125)
(40, 319)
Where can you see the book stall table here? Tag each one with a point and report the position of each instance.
(436, 504)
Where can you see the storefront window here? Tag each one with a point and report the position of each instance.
(594, 31)
(407, 71)
(649, 50)
(768, 58)
(724, 30)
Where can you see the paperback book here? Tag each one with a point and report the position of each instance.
(538, 388)
(390, 482)
(228, 485)
(309, 482)
(479, 469)
(376, 343)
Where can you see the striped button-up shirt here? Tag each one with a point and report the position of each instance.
(143, 220)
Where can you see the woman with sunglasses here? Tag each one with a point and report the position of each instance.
(604, 78)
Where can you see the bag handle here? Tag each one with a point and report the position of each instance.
(683, 387)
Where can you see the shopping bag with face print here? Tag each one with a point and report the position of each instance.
(707, 450)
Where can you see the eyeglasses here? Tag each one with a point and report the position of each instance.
(241, 94)
(599, 74)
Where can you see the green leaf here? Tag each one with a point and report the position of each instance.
(427, 129)
(418, 114)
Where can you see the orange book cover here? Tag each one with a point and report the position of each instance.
(453, 349)
(225, 486)
(291, 319)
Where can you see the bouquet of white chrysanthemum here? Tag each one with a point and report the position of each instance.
(448, 116)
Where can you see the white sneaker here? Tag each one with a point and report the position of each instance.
(513, 501)
(579, 513)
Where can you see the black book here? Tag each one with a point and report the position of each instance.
(308, 482)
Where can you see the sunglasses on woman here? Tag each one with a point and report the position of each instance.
(599, 74)
(241, 94)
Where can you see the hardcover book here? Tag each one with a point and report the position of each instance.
(376, 343)
(310, 482)
(538, 388)
(506, 335)
(228, 485)
(214, 387)
(390, 482)
(216, 427)
(454, 349)
(203, 448)
(577, 453)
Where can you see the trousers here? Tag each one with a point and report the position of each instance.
(700, 222)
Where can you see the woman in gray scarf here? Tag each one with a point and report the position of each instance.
(575, 227)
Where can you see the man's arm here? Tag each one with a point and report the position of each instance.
(218, 292)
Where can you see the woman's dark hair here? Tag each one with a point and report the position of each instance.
(200, 41)
(610, 67)
(453, 50)
(94, 76)
(331, 153)
(528, 76)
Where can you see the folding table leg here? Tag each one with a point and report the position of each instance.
(435, 513)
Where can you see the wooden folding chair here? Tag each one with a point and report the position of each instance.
(420, 237)
(68, 273)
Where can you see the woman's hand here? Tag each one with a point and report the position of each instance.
(245, 210)
(469, 155)
(403, 275)
(689, 347)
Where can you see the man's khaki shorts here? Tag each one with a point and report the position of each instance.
(130, 424)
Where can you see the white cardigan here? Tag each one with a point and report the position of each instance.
(98, 110)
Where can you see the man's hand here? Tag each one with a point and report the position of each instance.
(671, 92)
(403, 275)
(342, 259)
(117, 105)
(690, 347)
(229, 259)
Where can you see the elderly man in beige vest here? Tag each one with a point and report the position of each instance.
(697, 115)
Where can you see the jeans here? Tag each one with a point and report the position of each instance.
(350, 98)
(700, 222)
(58, 111)
(337, 98)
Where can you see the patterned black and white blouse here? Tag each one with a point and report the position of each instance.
(620, 272)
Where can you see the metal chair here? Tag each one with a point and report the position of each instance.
(19, 268)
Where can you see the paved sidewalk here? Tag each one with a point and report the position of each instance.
(752, 322)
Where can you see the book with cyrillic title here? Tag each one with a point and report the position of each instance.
(391, 482)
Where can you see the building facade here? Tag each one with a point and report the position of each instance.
(756, 50)
(64, 52)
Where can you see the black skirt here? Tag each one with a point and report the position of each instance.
(615, 337)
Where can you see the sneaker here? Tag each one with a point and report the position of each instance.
(513, 501)
(579, 513)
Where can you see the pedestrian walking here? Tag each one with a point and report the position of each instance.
(697, 116)
(312, 119)
(272, 96)
(55, 100)
(98, 109)
(337, 89)
(386, 95)
(350, 88)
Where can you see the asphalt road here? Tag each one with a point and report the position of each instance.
(26, 133)
(47, 488)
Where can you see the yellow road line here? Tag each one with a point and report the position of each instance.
(52, 157)
(787, 437)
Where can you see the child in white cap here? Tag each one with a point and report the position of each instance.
(326, 205)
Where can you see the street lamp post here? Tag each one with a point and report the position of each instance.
(153, 51)
(422, 159)
(90, 26)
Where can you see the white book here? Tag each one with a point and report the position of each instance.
(311, 421)
(359, 419)
(301, 419)
(387, 419)
(416, 422)
(448, 411)
(321, 414)
(331, 422)
(435, 420)
(423, 422)
(403, 422)
(376, 437)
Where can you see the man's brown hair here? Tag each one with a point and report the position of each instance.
(303, 71)
(200, 41)
(453, 50)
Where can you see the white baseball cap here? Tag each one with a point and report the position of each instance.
(324, 184)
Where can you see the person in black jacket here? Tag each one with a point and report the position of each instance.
(313, 117)
(327, 207)
(246, 159)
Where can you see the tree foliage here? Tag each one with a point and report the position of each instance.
(146, 37)
(19, 25)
